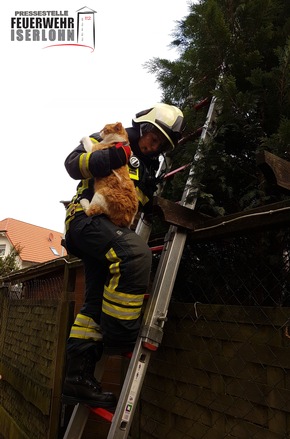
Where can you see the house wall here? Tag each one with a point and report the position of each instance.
(6, 242)
(8, 248)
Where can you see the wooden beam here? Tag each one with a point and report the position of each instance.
(203, 227)
(176, 214)
(263, 217)
(40, 270)
(275, 169)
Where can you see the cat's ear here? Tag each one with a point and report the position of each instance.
(118, 126)
(102, 132)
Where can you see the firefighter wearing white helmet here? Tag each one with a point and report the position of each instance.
(168, 120)
(117, 261)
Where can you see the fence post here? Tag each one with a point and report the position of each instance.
(64, 322)
(3, 320)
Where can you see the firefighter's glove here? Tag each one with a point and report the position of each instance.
(119, 155)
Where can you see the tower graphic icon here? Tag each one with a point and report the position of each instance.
(86, 26)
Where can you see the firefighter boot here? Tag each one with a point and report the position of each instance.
(80, 384)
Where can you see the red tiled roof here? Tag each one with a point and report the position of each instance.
(35, 241)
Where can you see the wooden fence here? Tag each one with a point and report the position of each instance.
(35, 313)
(222, 370)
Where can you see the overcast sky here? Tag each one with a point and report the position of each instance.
(54, 96)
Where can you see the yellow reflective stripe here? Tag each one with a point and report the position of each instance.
(74, 206)
(114, 269)
(70, 213)
(119, 312)
(72, 209)
(67, 223)
(141, 196)
(134, 173)
(84, 164)
(128, 300)
(85, 327)
(84, 186)
(132, 303)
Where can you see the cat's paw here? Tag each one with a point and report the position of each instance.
(87, 143)
(85, 204)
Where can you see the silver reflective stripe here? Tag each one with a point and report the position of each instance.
(85, 334)
(121, 313)
(88, 322)
(85, 327)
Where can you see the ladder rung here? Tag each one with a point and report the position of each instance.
(150, 346)
(202, 103)
(103, 413)
(157, 248)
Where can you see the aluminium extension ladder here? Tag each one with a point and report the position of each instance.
(151, 332)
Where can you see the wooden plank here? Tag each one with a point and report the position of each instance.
(200, 369)
(275, 169)
(197, 403)
(246, 352)
(261, 218)
(256, 315)
(265, 354)
(242, 430)
(176, 214)
(192, 429)
(202, 227)
(260, 394)
(9, 427)
(235, 331)
(43, 269)
(278, 421)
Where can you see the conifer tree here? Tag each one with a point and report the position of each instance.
(243, 46)
(9, 263)
(247, 41)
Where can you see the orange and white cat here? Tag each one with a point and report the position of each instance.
(115, 195)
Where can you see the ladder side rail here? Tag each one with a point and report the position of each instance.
(130, 392)
(151, 334)
(77, 422)
(157, 307)
(189, 196)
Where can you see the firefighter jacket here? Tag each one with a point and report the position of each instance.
(84, 166)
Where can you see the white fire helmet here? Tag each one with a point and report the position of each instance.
(168, 119)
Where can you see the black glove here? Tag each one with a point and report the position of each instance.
(119, 155)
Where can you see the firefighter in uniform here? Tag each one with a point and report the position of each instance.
(116, 260)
